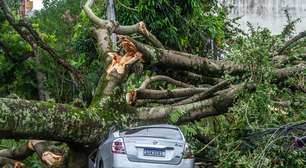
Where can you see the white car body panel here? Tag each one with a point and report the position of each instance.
(121, 161)
(153, 146)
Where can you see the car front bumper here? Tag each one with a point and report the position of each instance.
(121, 161)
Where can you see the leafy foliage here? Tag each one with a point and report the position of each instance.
(182, 25)
(259, 110)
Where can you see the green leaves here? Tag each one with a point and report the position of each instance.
(254, 53)
(180, 25)
(176, 115)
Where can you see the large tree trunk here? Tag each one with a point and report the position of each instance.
(24, 119)
(78, 156)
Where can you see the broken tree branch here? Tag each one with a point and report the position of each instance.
(28, 149)
(198, 114)
(132, 96)
(185, 61)
(14, 163)
(120, 63)
(291, 41)
(120, 66)
(41, 149)
(219, 102)
(104, 44)
(145, 102)
(188, 77)
(173, 59)
(19, 153)
(115, 27)
(284, 73)
(205, 94)
(99, 22)
(148, 81)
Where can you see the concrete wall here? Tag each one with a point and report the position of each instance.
(267, 13)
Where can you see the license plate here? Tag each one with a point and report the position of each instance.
(154, 152)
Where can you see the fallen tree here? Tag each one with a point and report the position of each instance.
(207, 93)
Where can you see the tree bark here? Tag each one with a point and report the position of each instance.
(78, 156)
(24, 119)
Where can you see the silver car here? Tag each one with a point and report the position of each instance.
(153, 146)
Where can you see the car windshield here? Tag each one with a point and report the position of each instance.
(167, 133)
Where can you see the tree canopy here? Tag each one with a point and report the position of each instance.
(239, 97)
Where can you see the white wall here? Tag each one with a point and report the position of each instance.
(37, 4)
(267, 13)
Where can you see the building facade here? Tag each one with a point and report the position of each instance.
(267, 13)
(26, 7)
